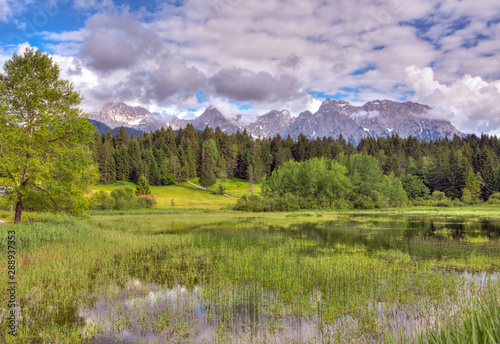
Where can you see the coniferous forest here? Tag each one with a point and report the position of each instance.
(460, 168)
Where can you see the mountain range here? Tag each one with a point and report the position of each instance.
(377, 118)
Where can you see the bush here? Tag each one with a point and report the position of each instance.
(144, 202)
(466, 196)
(102, 200)
(438, 196)
(168, 179)
(125, 198)
(494, 198)
(446, 202)
(253, 203)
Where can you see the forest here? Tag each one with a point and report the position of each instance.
(371, 174)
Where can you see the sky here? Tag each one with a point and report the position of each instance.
(178, 57)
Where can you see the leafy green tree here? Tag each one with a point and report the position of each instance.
(102, 200)
(414, 186)
(366, 177)
(472, 185)
(40, 124)
(319, 182)
(142, 187)
(210, 147)
(394, 191)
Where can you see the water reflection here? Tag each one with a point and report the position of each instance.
(142, 312)
(425, 237)
(149, 313)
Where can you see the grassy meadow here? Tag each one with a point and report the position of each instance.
(186, 196)
(195, 273)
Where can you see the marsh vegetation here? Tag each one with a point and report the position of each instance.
(226, 277)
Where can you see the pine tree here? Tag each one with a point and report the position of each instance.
(207, 172)
(106, 161)
(134, 160)
(142, 186)
(122, 163)
(121, 138)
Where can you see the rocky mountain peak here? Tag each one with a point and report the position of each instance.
(334, 117)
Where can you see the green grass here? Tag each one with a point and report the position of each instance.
(187, 196)
(481, 325)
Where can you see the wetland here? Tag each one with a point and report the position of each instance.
(228, 277)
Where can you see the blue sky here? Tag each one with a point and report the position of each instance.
(180, 56)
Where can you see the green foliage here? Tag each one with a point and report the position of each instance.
(472, 185)
(438, 196)
(466, 196)
(320, 182)
(124, 198)
(394, 191)
(42, 134)
(494, 198)
(142, 187)
(168, 179)
(482, 325)
(414, 187)
(207, 172)
(102, 200)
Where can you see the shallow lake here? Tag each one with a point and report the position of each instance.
(363, 277)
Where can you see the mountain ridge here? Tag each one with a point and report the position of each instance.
(334, 117)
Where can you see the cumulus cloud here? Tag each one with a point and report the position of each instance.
(471, 103)
(292, 61)
(265, 53)
(118, 41)
(134, 64)
(243, 85)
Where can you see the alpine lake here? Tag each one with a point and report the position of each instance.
(305, 277)
(359, 278)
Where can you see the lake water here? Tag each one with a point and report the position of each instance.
(141, 312)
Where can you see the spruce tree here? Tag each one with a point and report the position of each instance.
(121, 138)
(142, 186)
(207, 172)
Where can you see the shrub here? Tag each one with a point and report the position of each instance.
(144, 202)
(102, 200)
(168, 179)
(494, 198)
(438, 196)
(124, 197)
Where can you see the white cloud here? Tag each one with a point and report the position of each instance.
(471, 103)
(94, 4)
(4, 10)
(162, 58)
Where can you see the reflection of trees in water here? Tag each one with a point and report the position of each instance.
(431, 237)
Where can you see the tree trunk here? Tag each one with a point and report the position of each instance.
(19, 210)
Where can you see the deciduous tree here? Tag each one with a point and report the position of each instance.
(42, 133)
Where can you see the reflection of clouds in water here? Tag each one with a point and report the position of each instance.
(134, 314)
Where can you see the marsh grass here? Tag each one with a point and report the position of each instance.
(247, 277)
